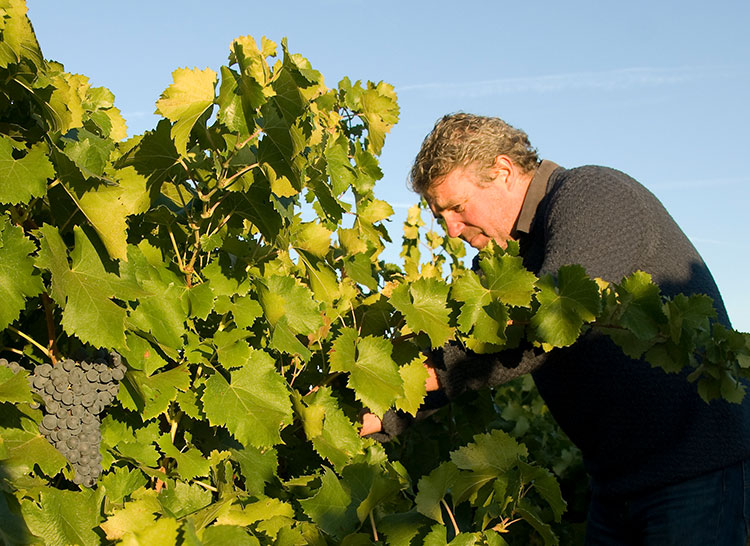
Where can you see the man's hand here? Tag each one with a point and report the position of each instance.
(371, 423)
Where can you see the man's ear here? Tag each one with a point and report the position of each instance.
(503, 170)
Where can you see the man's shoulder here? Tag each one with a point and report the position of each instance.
(594, 182)
(592, 174)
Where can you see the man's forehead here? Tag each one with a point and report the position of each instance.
(444, 193)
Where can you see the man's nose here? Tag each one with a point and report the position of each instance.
(453, 225)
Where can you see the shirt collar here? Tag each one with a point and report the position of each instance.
(534, 195)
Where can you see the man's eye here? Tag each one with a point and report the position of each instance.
(457, 208)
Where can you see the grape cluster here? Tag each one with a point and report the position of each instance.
(74, 395)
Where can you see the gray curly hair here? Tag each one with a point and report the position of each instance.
(461, 140)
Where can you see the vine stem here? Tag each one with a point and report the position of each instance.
(206, 486)
(374, 529)
(247, 140)
(173, 429)
(176, 250)
(450, 515)
(224, 183)
(29, 339)
(50, 319)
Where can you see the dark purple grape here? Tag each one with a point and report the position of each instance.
(68, 365)
(49, 421)
(44, 370)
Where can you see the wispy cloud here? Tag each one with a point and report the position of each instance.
(700, 183)
(610, 80)
(719, 242)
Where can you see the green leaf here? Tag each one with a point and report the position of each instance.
(496, 451)
(379, 112)
(508, 280)
(245, 311)
(262, 510)
(24, 178)
(374, 211)
(258, 208)
(689, 315)
(89, 152)
(220, 535)
(433, 488)
(401, 528)
(338, 165)
(369, 487)
(183, 499)
(438, 536)
(13, 529)
(18, 39)
(139, 447)
(414, 375)
(313, 238)
(373, 374)
(284, 340)
(564, 309)
(238, 98)
(14, 387)
(160, 311)
(134, 517)
(336, 438)
(424, 305)
(17, 278)
(63, 517)
(276, 151)
(84, 290)
(24, 450)
(330, 508)
(258, 467)
(530, 516)
(160, 389)
(185, 100)
(323, 281)
(546, 485)
(257, 393)
(198, 301)
(283, 297)
(121, 482)
(155, 155)
(108, 206)
(641, 304)
(191, 463)
(359, 268)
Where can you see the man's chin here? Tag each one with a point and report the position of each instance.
(479, 241)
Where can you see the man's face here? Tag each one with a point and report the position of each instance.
(476, 214)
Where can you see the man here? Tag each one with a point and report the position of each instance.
(665, 466)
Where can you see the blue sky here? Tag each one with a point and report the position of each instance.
(657, 89)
